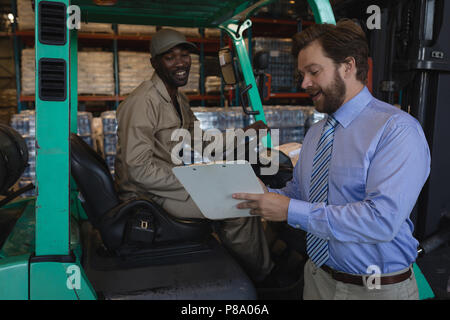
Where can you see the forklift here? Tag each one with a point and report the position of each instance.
(76, 239)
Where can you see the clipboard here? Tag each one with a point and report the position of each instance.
(211, 187)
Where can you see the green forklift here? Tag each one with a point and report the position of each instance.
(76, 239)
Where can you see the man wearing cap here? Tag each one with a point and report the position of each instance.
(146, 121)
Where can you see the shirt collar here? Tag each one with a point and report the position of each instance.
(351, 109)
(161, 87)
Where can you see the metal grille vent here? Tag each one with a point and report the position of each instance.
(52, 23)
(52, 79)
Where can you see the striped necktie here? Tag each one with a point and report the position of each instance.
(317, 248)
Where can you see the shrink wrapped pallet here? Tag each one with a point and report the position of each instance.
(109, 125)
(28, 72)
(212, 32)
(8, 98)
(281, 62)
(193, 83)
(135, 29)
(8, 105)
(84, 128)
(94, 27)
(95, 73)
(289, 120)
(188, 32)
(213, 84)
(25, 15)
(134, 68)
(6, 113)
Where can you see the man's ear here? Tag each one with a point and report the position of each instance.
(349, 66)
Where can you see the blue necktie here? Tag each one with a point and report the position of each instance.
(317, 248)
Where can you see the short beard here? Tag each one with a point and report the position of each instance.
(334, 94)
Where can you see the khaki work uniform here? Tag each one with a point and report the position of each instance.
(143, 168)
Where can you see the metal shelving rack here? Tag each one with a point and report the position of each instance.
(205, 45)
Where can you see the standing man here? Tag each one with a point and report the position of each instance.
(146, 121)
(358, 177)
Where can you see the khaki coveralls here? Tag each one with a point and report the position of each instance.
(146, 120)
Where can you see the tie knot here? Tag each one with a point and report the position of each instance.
(331, 122)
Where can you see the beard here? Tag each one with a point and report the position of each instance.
(333, 95)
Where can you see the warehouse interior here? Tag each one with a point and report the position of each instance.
(409, 68)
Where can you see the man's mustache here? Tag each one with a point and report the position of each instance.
(313, 90)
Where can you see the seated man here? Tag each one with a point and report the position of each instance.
(146, 121)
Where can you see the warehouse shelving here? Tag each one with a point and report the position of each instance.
(121, 98)
(261, 26)
(205, 45)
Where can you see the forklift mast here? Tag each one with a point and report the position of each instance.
(411, 54)
(45, 272)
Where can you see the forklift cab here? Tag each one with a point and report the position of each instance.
(76, 240)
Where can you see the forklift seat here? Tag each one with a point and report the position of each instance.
(136, 223)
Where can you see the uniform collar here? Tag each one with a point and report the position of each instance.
(352, 108)
(183, 101)
(161, 87)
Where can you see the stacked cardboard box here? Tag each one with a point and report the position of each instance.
(25, 15)
(26, 20)
(8, 105)
(134, 67)
(95, 73)
(193, 83)
(94, 27)
(188, 32)
(213, 84)
(28, 72)
(135, 29)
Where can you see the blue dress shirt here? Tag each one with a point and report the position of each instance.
(379, 164)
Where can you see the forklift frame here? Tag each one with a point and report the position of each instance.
(47, 269)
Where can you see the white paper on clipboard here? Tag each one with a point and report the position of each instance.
(211, 187)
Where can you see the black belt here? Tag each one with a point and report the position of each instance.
(360, 280)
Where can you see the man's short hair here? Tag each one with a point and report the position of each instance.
(345, 39)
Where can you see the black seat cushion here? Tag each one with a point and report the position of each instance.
(113, 218)
(13, 157)
(93, 179)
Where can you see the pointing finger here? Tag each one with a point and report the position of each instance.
(246, 196)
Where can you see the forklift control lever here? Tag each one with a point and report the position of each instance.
(244, 107)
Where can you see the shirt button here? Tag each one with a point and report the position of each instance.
(297, 226)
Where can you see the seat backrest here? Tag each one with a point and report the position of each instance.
(93, 179)
(13, 157)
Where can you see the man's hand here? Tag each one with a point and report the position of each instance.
(271, 206)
